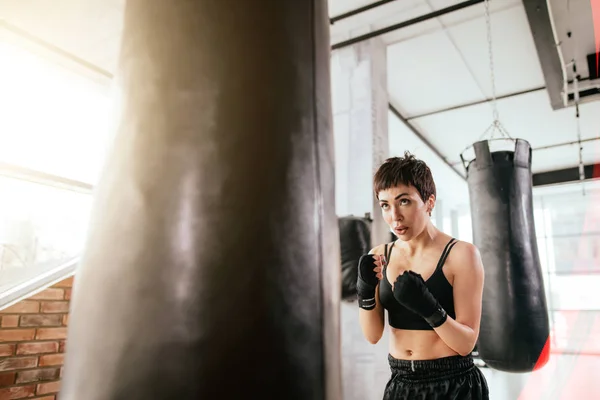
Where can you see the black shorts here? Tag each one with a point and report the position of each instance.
(448, 378)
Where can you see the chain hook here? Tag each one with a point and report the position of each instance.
(496, 126)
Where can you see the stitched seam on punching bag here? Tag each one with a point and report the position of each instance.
(318, 189)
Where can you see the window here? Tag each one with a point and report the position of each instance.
(53, 120)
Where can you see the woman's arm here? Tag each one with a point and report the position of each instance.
(372, 321)
(461, 334)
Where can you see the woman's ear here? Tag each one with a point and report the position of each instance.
(430, 204)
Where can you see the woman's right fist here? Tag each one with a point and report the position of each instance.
(370, 267)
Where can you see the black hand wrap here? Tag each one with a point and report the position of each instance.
(411, 291)
(367, 282)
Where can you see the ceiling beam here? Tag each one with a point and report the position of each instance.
(53, 49)
(566, 144)
(413, 21)
(474, 103)
(424, 140)
(540, 24)
(591, 171)
(357, 11)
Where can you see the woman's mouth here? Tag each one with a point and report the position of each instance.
(401, 230)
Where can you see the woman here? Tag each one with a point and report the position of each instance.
(430, 284)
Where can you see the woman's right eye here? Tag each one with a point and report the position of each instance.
(385, 206)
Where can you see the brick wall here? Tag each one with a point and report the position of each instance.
(32, 344)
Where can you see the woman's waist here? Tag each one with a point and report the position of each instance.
(418, 345)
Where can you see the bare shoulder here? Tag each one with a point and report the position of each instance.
(465, 258)
(378, 249)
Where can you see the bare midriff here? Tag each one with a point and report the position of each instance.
(418, 345)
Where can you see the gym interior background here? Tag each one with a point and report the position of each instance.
(416, 75)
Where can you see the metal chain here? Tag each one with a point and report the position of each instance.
(576, 97)
(577, 120)
(491, 59)
(496, 125)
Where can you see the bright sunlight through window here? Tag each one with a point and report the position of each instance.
(53, 120)
(57, 122)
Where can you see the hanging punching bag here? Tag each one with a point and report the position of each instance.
(212, 266)
(514, 322)
(355, 240)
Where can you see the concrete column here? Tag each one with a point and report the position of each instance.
(360, 106)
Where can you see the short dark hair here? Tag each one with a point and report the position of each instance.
(406, 170)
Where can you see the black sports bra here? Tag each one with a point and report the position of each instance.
(402, 318)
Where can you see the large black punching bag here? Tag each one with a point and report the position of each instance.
(355, 240)
(514, 322)
(212, 266)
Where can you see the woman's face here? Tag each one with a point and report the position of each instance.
(404, 210)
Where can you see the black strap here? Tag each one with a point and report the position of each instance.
(445, 253)
(388, 255)
(385, 251)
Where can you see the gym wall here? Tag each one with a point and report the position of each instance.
(32, 344)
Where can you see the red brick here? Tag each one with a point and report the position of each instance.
(68, 294)
(37, 348)
(50, 387)
(16, 335)
(23, 307)
(10, 321)
(63, 346)
(41, 320)
(49, 294)
(13, 363)
(18, 392)
(7, 350)
(7, 379)
(67, 283)
(65, 320)
(55, 306)
(51, 333)
(37, 375)
(52, 359)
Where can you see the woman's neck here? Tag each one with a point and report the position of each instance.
(422, 240)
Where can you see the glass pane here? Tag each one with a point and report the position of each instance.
(575, 292)
(40, 227)
(576, 254)
(576, 332)
(571, 214)
(53, 120)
